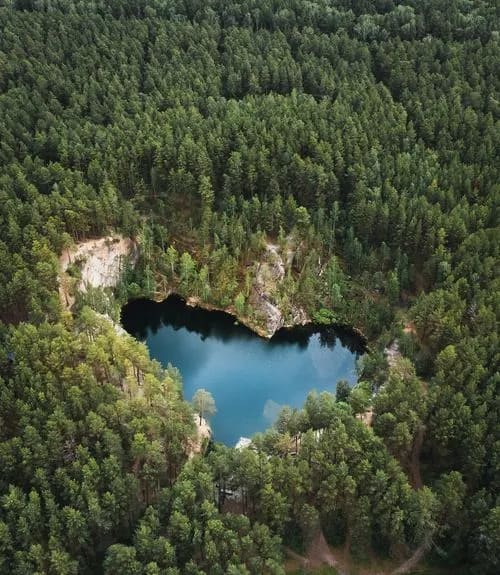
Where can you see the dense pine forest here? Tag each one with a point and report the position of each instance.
(363, 135)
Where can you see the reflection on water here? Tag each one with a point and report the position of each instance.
(249, 377)
(271, 410)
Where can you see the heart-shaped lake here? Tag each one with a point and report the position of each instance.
(249, 377)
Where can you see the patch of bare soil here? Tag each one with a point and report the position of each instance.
(414, 560)
(366, 417)
(409, 328)
(319, 553)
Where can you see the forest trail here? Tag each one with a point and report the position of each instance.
(319, 554)
(100, 262)
(414, 470)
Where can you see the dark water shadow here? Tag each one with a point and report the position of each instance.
(140, 316)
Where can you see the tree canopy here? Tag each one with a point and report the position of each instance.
(360, 136)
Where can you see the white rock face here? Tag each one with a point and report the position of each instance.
(269, 275)
(101, 263)
(243, 443)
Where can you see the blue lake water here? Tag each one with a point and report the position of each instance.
(250, 378)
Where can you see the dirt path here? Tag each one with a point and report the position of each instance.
(414, 560)
(318, 554)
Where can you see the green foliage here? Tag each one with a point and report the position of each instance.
(324, 317)
(400, 408)
(204, 404)
(362, 137)
(82, 477)
(360, 397)
(342, 391)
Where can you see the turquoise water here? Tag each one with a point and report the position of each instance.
(250, 378)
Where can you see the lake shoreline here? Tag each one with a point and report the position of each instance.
(101, 264)
(308, 328)
(251, 378)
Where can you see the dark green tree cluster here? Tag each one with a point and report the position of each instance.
(220, 121)
(90, 429)
(185, 533)
(323, 469)
(362, 137)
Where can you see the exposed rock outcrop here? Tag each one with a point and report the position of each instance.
(203, 434)
(264, 297)
(100, 262)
